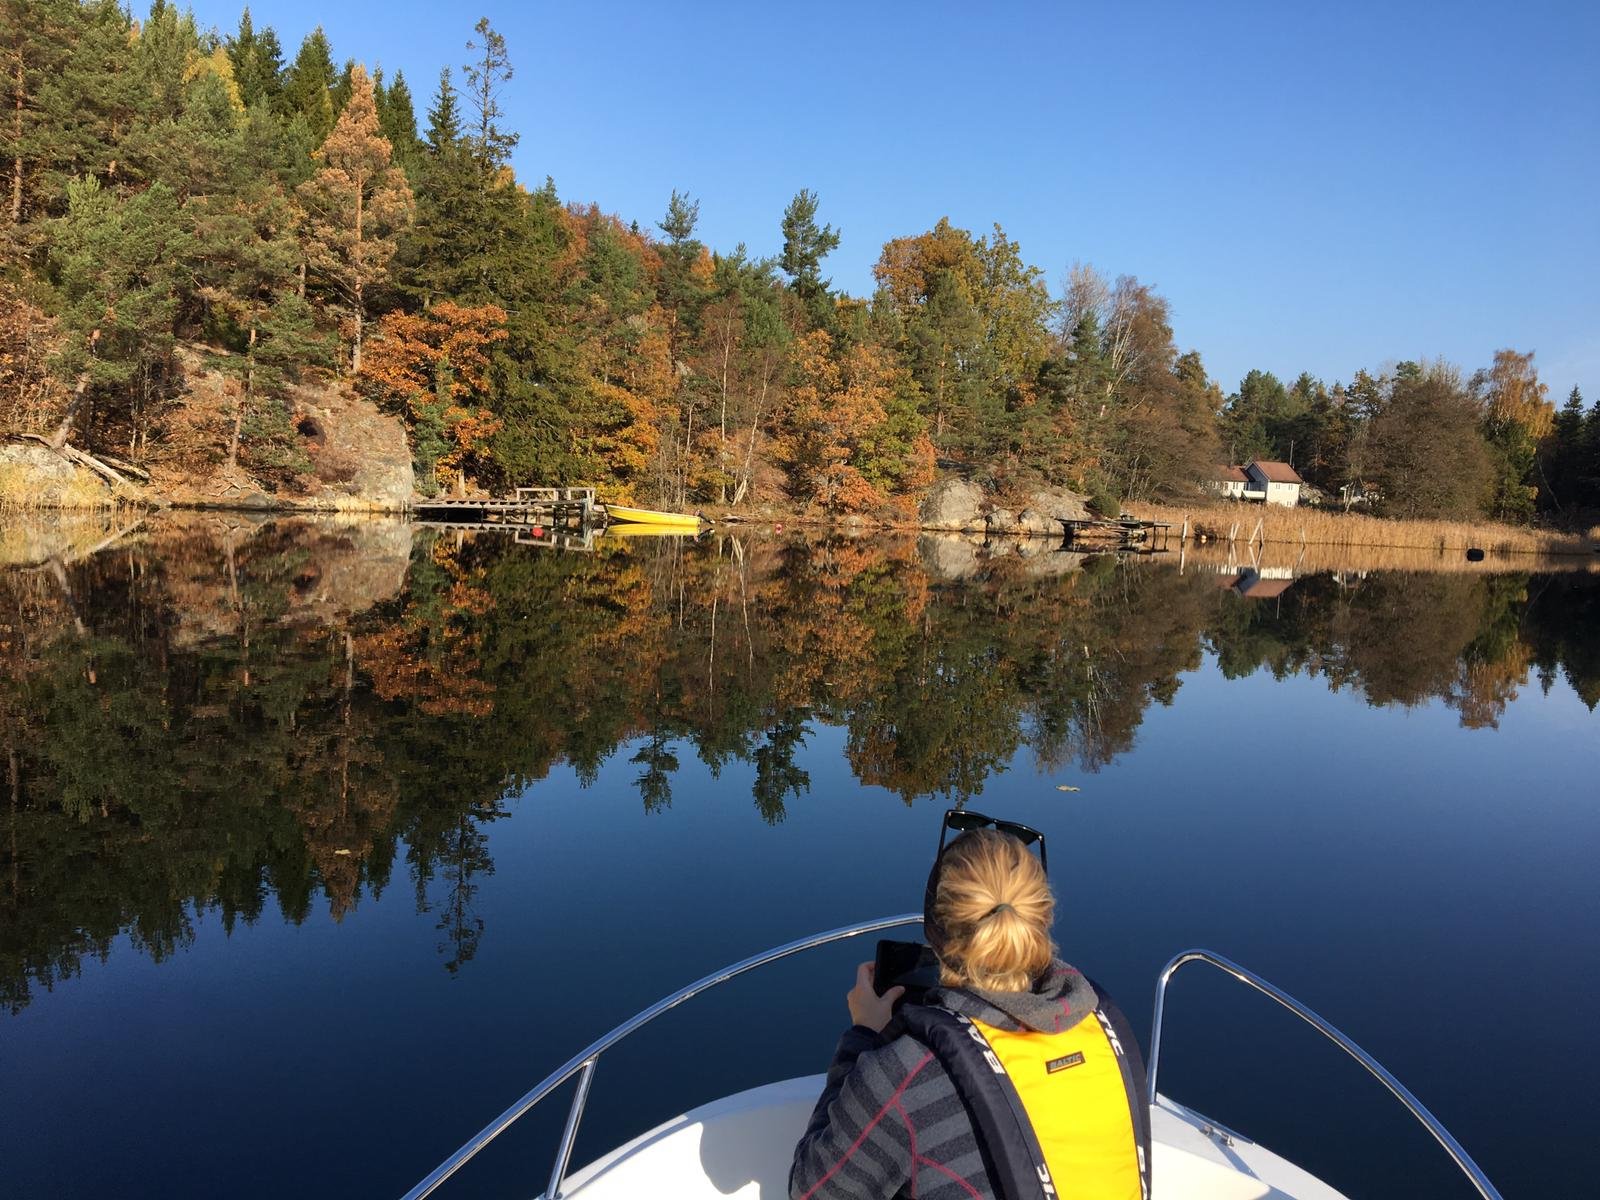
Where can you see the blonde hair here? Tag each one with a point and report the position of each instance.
(995, 907)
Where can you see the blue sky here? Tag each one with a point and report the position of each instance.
(1314, 187)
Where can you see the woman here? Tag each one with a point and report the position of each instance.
(1016, 1078)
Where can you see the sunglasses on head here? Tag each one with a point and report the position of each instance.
(963, 820)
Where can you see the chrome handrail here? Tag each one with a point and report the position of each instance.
(586, 1059)
(1401, 1093)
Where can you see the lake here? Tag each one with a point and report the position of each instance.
(321, 842)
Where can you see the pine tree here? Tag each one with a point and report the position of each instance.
(1588, 458)
(163, 49)
(355, 204)
(444, 118)
(35, 41)
(116, 263)
(340, 95)
(84, 103)
(681, 293)
(436, 259)
(308, 86)
(257, 62)
(805, 245)
(245, 256)
(486, 75)
(397, 121)
(1560, 454)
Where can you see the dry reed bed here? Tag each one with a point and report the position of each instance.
(1315, 527)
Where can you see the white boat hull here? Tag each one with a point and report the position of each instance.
(741, 1145)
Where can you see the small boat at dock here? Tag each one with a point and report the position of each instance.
(619, 514)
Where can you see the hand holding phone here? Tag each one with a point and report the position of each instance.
(867, 1007)
(908, 965)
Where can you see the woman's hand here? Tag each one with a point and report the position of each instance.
(867, 1008)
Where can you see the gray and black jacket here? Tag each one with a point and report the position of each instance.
(890, 1121)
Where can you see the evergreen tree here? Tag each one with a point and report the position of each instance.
(340, 95)
(680, 292)
(36, 40)
(805, 245)
(355, 204)
(308, 86)
(444, 117)
(257, 62)
(117, 263)
(86, 99)
(1588, 459)
(244, 261)
(486, 75)
(1560, 454)
(163, 50)
(457, 245)
(397, 121)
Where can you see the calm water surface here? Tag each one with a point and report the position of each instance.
(320, 844)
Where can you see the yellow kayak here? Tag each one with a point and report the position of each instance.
(618, 514)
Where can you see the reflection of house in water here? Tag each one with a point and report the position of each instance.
(1257, 583)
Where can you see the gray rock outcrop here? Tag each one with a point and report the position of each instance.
(958, 505)
(954, 504)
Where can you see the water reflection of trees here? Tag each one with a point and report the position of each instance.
(200, 724)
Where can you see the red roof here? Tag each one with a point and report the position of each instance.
(1265, 589)
(1232, 475)
(1277, 472)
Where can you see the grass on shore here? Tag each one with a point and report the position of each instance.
(1305, 527)
(20, 490)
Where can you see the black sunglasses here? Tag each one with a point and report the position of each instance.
(962, 820)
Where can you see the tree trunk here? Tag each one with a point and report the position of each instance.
(18, 83)
(355, 357)
(358, 269)
(238, 409)
(63, 431)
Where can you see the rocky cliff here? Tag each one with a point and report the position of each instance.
(336, 452)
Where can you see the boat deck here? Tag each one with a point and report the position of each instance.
(741, 1146)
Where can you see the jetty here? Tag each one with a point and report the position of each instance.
(1127, 533)
(545, 508)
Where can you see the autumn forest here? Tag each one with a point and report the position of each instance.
(290, 218)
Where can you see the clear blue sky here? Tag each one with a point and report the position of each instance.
(1314, 187)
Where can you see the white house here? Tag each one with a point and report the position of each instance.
(1261, 481)
(1273, 482)
(1230, 483)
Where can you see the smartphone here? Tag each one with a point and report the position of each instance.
(910, 965)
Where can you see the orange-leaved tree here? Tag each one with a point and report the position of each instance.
(355, 204)
(433, 366)
(850, 436)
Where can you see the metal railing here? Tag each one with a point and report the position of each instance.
(1250, 979)
(583, 1064)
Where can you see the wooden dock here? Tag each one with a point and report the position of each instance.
(1121, 533)
(545, 507)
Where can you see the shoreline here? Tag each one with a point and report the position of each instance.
(1251, 526)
